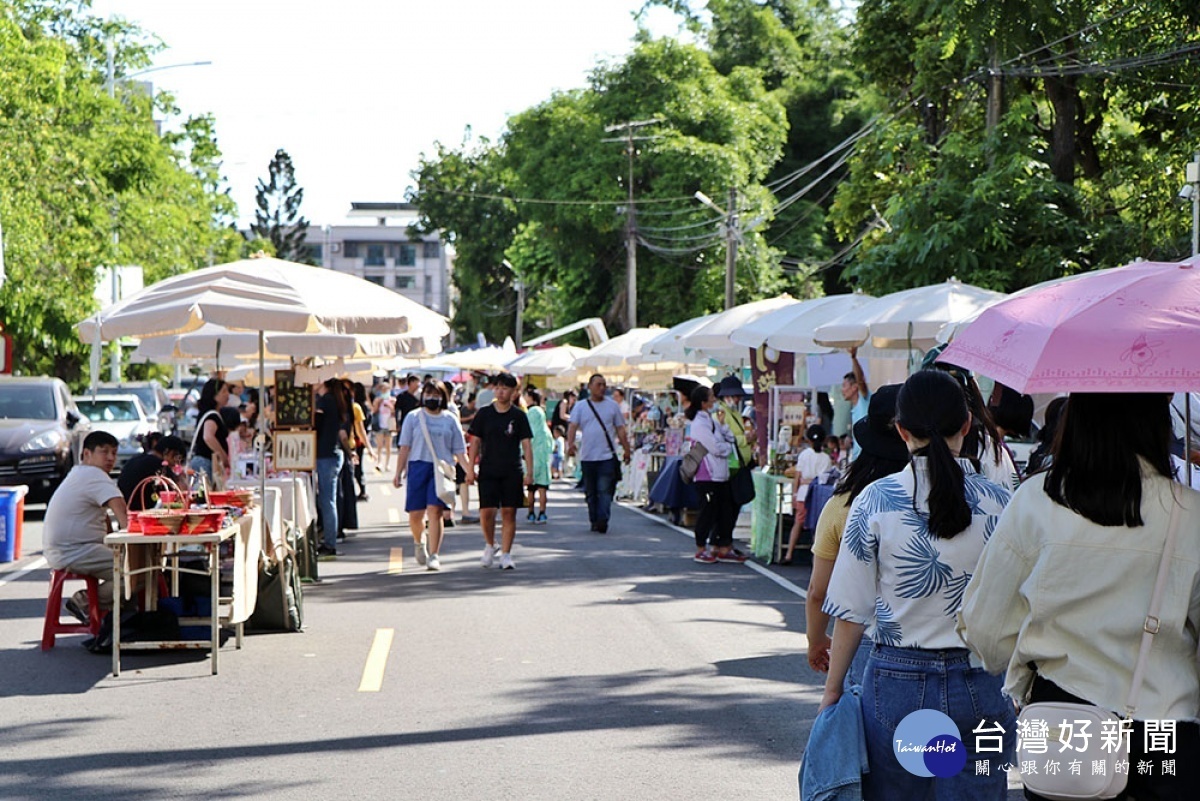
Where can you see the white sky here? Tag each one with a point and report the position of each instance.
(355, 90)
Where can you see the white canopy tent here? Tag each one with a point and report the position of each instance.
(907, 320)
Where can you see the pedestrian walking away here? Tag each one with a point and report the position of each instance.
(501, 445)
(333, 443)
(543, 450)
(911, 542)
(600, 421)
(1060, 599)
(429, 437)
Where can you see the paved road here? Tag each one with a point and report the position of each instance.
(603, 667)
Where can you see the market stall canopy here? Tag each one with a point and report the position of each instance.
(620, 351)
(713, 337)
(1128, 329)
(264, 294)
(492, 359)
(667, 345)
(212, 341)
(790, 329)
(546, 361)
(905, 320)
(336, 368)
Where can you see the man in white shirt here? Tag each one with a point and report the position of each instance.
(602, 423)
(76, 520)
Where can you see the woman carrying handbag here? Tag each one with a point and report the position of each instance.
(1059, 600)
(430, 440)
(718, 511)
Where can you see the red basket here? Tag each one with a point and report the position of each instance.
(202, 521)
(239, 498)
(156, 521)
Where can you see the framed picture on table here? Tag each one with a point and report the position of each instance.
(296, 450)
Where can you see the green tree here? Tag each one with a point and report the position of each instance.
(85, 179)
(278, 217)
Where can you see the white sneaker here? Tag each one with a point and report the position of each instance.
(489, 556)
(506, 562)
(434, 563)
(422, 553)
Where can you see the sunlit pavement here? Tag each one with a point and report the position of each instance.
(602, 667)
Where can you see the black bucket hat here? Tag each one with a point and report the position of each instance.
(876, 433)
(729, 387)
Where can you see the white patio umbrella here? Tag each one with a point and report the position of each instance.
(667, 345)
(620, 351)
(905, 320)
(261, 294)
(492, 359)
(790, 328)
(547, 361)
(713, 337)
(212, 341)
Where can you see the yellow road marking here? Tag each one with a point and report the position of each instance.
(372, 677)
(385, 491)
(396, 561)
(393, 515)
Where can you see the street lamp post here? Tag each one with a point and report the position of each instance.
(1193, 181)
(518, 285)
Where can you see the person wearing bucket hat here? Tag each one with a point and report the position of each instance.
(882, 453)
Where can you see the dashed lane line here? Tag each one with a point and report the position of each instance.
(396, 562)
(393, 515)
(381, 646)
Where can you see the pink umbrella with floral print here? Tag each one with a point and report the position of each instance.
(1131, 329)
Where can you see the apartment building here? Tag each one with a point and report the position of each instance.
(373, 243)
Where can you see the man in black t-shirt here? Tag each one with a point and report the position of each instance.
(502, 440)
(160, 458)
(406, 401)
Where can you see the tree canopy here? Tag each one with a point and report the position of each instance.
(891, 145)
(86, 179)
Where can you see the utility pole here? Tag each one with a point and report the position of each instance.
(731, 245)
(733, 234)
(1193, 179)
(518, 285)
(630, 211)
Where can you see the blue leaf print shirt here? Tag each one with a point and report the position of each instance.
(892, 573)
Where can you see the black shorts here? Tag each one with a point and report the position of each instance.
(507, 492)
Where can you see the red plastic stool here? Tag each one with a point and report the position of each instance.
(54, 624)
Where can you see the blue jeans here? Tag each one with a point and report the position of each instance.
(328, 470)
(902, 680)
(600, 484)
(202, 464)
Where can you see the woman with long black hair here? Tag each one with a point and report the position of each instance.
(1061, 595)
(210, 450)
(911, 543)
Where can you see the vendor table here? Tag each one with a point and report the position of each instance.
(772, 494)
(164, 553)
(669, 489)
(297, 500)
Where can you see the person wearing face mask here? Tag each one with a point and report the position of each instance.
(429, 425)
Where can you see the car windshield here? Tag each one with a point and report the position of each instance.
(27, 402)
(108, 411)
(145, 394)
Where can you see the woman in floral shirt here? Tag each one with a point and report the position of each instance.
(910, 546)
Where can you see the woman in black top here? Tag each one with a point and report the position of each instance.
(210, 452)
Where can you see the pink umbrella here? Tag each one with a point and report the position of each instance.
(1131, 329)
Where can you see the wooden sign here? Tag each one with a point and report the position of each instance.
(294, 405)
(296, 450)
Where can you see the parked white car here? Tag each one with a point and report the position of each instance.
(123, 416)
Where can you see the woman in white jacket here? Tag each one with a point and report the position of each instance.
(718, 512)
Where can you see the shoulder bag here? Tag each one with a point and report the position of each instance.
(1064, 720)
(443, 471)
(742, 482)
(608, 439)
(689, 465)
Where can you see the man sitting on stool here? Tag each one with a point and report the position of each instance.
(76, 520)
